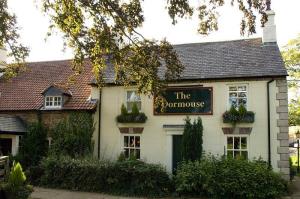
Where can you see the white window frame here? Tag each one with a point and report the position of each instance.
(52, 101)
(237, 85)
(123, 147)
(240, 149)
(126, 101)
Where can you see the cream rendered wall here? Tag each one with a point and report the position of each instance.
(155, 141)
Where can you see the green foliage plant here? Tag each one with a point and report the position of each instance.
(16, 186)
(135, 116)
(192, 140)
(124, 177)
(73, 136)
(34, 145)
(235, 116)
(223, 178)
(124, 110)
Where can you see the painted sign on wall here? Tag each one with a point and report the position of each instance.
(186, 101)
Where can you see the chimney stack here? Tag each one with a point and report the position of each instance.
(3, 58)
(269, 30)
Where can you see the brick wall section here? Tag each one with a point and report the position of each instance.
(283, 126)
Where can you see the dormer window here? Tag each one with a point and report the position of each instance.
(55, 97)
(53, 101)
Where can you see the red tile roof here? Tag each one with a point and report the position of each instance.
(24, 92)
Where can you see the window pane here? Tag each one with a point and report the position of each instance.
(232, 88)
(242, 94)
(229, 142)
(137, 141)
(126, 153)
(232, 94)
(129, 106)
(242, 88)
(237, 154)
(132, 154)
(237, 143)
(233, 102)
(244, 154)
(230, 154)
(242, 101)
(125, 141)
(137, 154)
(132, 96)
(131, 141)
(243, 143)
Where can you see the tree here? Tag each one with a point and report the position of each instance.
(192, 140)
(9, 39)
(291, 57)
(294, 112)
(108, 29)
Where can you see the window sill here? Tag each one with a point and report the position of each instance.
(237, 130)
(131, 128)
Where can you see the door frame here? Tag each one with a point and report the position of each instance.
(169, 145)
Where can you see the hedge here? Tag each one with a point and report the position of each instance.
(128, 177)
(229, 179)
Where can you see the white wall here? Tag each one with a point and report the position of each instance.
(155, 141)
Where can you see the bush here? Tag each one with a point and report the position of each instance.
(34, 145)
(128, 177)
(73, 136)
(229, 178)
(16, 187)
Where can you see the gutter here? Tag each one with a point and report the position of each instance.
(269, 122)
(99, 122)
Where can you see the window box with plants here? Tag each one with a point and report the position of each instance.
(235, 116)
(240, 115)
(135, 116)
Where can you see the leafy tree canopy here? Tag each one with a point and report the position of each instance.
(291, 56)
(9, 39)
(108, 29)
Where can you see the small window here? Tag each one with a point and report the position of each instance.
(53, 102)
(131, 98)
(131, 146)
(237, 147)
(238, 95)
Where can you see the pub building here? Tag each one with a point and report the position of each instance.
(217, 75)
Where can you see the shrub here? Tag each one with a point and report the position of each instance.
(192, 139)
(73, 136)
(293, 169)
(238, 116)
(33, 146)
(229, 178)
(134, 117)
(16, 187)
(127, 177)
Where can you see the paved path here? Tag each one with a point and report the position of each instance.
(295, 188)
(42, 193)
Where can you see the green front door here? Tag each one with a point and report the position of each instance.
(177, 139)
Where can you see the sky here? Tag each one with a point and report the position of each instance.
(34, 26)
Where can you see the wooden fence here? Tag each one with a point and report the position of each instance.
(4, 167)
